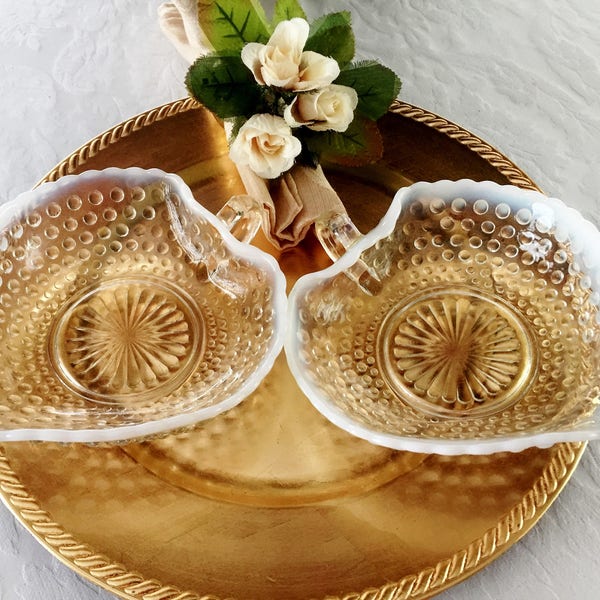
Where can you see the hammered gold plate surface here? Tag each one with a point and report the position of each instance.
(270, 501)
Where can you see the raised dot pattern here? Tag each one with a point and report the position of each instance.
(72, 247)
(484, 249)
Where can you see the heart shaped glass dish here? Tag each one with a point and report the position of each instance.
(127, 309)
(466, 322)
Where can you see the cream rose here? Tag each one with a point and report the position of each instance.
(329, 108)
(283, 63)
(265, 144)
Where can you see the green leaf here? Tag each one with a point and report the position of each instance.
(377, 87)
(360, 144)
(286, 10)
(230, 24)
(331, 35)
(224, 85)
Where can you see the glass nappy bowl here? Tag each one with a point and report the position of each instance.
(467, 321)
(127, 309)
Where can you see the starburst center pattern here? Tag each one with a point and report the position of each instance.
(456, 350)
(127, 338)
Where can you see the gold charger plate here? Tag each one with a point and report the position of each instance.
(270, 501)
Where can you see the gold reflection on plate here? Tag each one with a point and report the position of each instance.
(270, 501)
(273, 449)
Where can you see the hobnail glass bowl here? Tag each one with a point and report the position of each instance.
(127, 309)
(466, 322)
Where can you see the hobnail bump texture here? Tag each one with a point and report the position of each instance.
(483, 335)
(127, 309)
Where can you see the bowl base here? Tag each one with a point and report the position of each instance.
(127, 337)
(455, 351)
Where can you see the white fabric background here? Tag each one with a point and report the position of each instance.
(524, 76)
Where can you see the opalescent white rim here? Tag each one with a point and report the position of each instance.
(135, 176)
(570, 225)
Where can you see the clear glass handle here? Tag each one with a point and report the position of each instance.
(242, 215)
(337, 233)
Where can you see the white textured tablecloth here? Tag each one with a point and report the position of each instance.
(525, 76)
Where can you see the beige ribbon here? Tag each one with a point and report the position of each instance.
(292, 202)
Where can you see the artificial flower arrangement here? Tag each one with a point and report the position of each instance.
(290, 88)
(291, 98)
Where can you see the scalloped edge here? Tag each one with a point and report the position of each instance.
(573, 226)
(137, 176)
